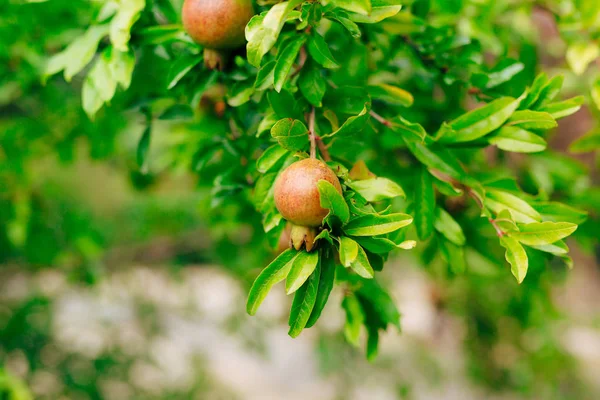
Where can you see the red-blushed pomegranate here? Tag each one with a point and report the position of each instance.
(217, 25)
(297, 195)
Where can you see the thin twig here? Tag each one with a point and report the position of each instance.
(311, 133)
(301, 61)
(380, 119)
(322, 148)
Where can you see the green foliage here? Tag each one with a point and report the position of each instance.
(433, 96)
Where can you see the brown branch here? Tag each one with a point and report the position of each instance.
(301, 62)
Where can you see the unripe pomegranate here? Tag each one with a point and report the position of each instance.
(297, 195)
(217, 25)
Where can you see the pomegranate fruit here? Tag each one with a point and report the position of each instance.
(297, 195)
(217, 25)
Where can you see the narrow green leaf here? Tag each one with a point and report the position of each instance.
(304, 302)
(543, 233)
(319, 51)
(266, 76)
(312, 85)
(181, 67)
(516, 256)
(352, 125)
(536, 120)
(424, 204)
(447, 226)
(391, 94)
(374, 224)
(120, 25)
(302, 267)
(549, 91)
(382, 245)
(376, 15)
(355, 318)
(357, 6)
(143, 147)
(270, 158)
(520, 210)
(285, 61)
(332, 200)
(564, 108)
(558, 248)
(326, 281)
(291, 134)
(437, 157)
(533, 93)
(559, 212)
(272, 274)
(586, 143)
(517, 140)
(480, 122)
(454, 256)
(377, 189)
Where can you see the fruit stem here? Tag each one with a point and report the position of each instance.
(315, 140)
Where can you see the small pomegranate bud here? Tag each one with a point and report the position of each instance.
(297, 195)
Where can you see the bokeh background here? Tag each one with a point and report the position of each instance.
(117, 283)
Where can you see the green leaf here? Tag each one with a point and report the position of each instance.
(285, 61)
(304, 302)
(504, 74)
(77, 55)
(480, 122)
(581, 54)
(549, 91)
(143, 147)
(520, 210)
(410, 131)
(558, 248)
(543, 233)
(374, 224)
(342, 18)
(381, 245)
(302, 267)
(454, 256)
(332, 200)
(352, 125)
(177, 112)
(163, 34)
(377, 189)
(517, 140)
(99, 86)
(263, 30)
(516, 256)
(291, 134)
(319, 51)
(326, 281)
(348, 251)
(357, 6)
(559, 212)
(437, 157)
(240, 93)
(447, 226)
(324, 234)
(586, 143)
(272, 274)
(312, 85)
(391, 94)
(266, 76)
(181, 67)
(534, 92)
(376, 15)
(355, 318)
(270, 158)
(424, 204)
(536, 120)
(381, 303)
(564, 108)
(120, 25)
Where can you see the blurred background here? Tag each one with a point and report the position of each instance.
(121, 283)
